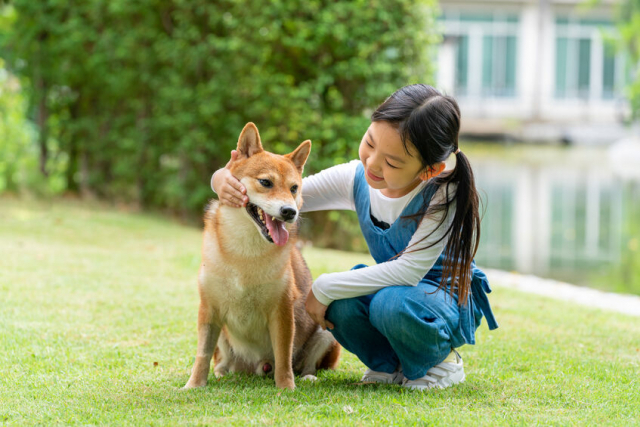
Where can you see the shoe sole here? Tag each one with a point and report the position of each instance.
(382, 381)
(456, 378)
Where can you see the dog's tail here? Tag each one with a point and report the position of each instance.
(331, 358)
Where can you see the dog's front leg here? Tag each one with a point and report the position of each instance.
(281, 330)
(208, 334)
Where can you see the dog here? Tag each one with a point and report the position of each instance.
(253, 280)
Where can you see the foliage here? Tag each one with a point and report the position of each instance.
(103, 332)
(142, 101)
(18, 155)
(628, 25)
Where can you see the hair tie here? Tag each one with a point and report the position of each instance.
(457, 151)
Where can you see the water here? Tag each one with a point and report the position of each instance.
(561, 212)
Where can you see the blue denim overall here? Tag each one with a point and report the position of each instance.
(415, 326)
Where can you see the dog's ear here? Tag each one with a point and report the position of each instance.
(299, 155)
(249, 141)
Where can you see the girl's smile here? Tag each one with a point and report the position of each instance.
(389, 168)
(373, 177)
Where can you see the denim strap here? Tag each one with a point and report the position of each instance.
(479, 290)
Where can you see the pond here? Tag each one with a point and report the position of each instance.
(560, 212)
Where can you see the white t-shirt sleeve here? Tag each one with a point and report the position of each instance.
(330, 189)
(406, 270)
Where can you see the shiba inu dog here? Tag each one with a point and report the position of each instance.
(253, 281)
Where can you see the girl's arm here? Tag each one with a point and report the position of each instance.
(406, 270)
(329, 189)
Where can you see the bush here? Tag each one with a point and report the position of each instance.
(144, 100)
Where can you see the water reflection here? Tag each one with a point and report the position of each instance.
(558, 212)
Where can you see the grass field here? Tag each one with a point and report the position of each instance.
(98, 326)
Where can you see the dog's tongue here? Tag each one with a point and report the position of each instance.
(278, 233)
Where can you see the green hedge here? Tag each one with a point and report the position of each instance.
(141, 100)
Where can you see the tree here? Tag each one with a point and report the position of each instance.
(141, 101)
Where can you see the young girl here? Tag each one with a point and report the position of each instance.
(404, 316)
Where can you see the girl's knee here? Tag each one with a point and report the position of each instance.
(392, 301)
(388, 307)
(402, 308)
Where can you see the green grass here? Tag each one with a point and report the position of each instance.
(98, 326)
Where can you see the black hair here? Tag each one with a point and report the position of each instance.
(430, 122)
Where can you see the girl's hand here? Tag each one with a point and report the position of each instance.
(230, 191)
(317, 311)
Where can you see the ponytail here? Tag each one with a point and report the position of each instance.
(464, 231)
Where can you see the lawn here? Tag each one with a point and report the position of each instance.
(98, 326)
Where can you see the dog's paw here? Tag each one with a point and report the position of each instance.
(309, 377)
(220, 371)
(193, 384)
(286, 384)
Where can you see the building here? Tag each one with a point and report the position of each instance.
(534, 70)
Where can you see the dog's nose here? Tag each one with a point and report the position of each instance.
(288, 213)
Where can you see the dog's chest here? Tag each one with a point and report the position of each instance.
(244, 302)
(246, 305)
(242, 291)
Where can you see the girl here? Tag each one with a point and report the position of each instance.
(404, 316)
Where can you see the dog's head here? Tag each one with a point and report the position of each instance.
(273, 184)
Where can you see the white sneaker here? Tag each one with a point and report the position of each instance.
(371, 376)
(442, 375)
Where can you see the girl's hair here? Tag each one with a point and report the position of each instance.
(430, 122)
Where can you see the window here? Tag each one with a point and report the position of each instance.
(462, 67)
(586, 64)
(485, 53)
(498, 65)
(608, 72)
(573, 67)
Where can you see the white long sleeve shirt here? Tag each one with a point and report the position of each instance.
(333, 189)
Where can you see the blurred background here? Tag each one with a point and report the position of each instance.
(137, 103)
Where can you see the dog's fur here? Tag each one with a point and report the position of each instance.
(252, 285)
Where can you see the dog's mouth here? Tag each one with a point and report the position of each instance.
(272, 228)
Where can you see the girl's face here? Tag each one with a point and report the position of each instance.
(387, 166)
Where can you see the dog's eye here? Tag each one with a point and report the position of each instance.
(266, 183)
(294, 189)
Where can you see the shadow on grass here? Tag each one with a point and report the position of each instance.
(330, 385)
(249, 383)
